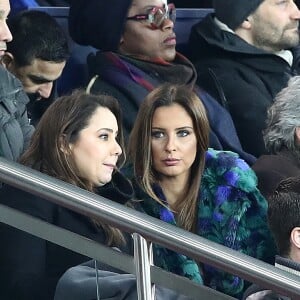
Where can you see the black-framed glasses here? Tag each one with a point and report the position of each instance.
(157, 15)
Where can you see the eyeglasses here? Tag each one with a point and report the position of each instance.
(157, 16)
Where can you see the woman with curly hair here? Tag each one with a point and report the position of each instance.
(210, 193)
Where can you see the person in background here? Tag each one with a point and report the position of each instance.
(210, 193)
(79, 141)
(284, 222)
(15, 130)
(244, 53)
(137, 52)
(282, 140)
(36, 56)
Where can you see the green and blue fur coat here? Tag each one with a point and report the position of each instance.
(231, 212)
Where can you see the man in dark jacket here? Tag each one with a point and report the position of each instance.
(36, 56)
(15, 131)
(244, 54)
(284, 222)
(137, 43)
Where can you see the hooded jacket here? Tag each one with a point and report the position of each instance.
(15, 130)
(243, 78)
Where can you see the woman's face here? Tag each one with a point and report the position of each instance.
(96, 150)
(173, 142)
(139, 39)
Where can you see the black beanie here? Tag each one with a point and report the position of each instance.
(234, 12)
(98, 23)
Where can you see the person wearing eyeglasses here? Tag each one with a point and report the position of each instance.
(137, 46)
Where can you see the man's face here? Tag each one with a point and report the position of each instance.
(5, 34)
(37, 78)
(275, 24)
(141, 40)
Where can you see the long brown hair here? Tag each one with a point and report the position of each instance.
(139, 148)
(49, 150)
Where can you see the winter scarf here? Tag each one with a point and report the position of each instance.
(114, 66)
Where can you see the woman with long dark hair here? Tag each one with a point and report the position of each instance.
(210, 193)
(78, 140)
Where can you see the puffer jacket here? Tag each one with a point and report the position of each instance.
(15, 130)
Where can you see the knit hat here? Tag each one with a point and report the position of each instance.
(98, 23)
(234, 12)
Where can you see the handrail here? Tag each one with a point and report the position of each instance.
(143, 266)
(150, 228)
(116, 259)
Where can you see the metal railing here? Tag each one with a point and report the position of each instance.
(143, 225)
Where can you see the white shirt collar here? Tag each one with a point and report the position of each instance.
(223, 26)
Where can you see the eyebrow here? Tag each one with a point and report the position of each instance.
(179, 128)
(107, 129)
(40, 79)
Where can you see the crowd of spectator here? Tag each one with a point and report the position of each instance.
(208, 143)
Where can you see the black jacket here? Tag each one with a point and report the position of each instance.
(271, 169)
(15, 130)
(241, 77)
(30, 267)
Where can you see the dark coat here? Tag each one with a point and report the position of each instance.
(30, 267)
(241, 77)
(15, 130)
(271, 169)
